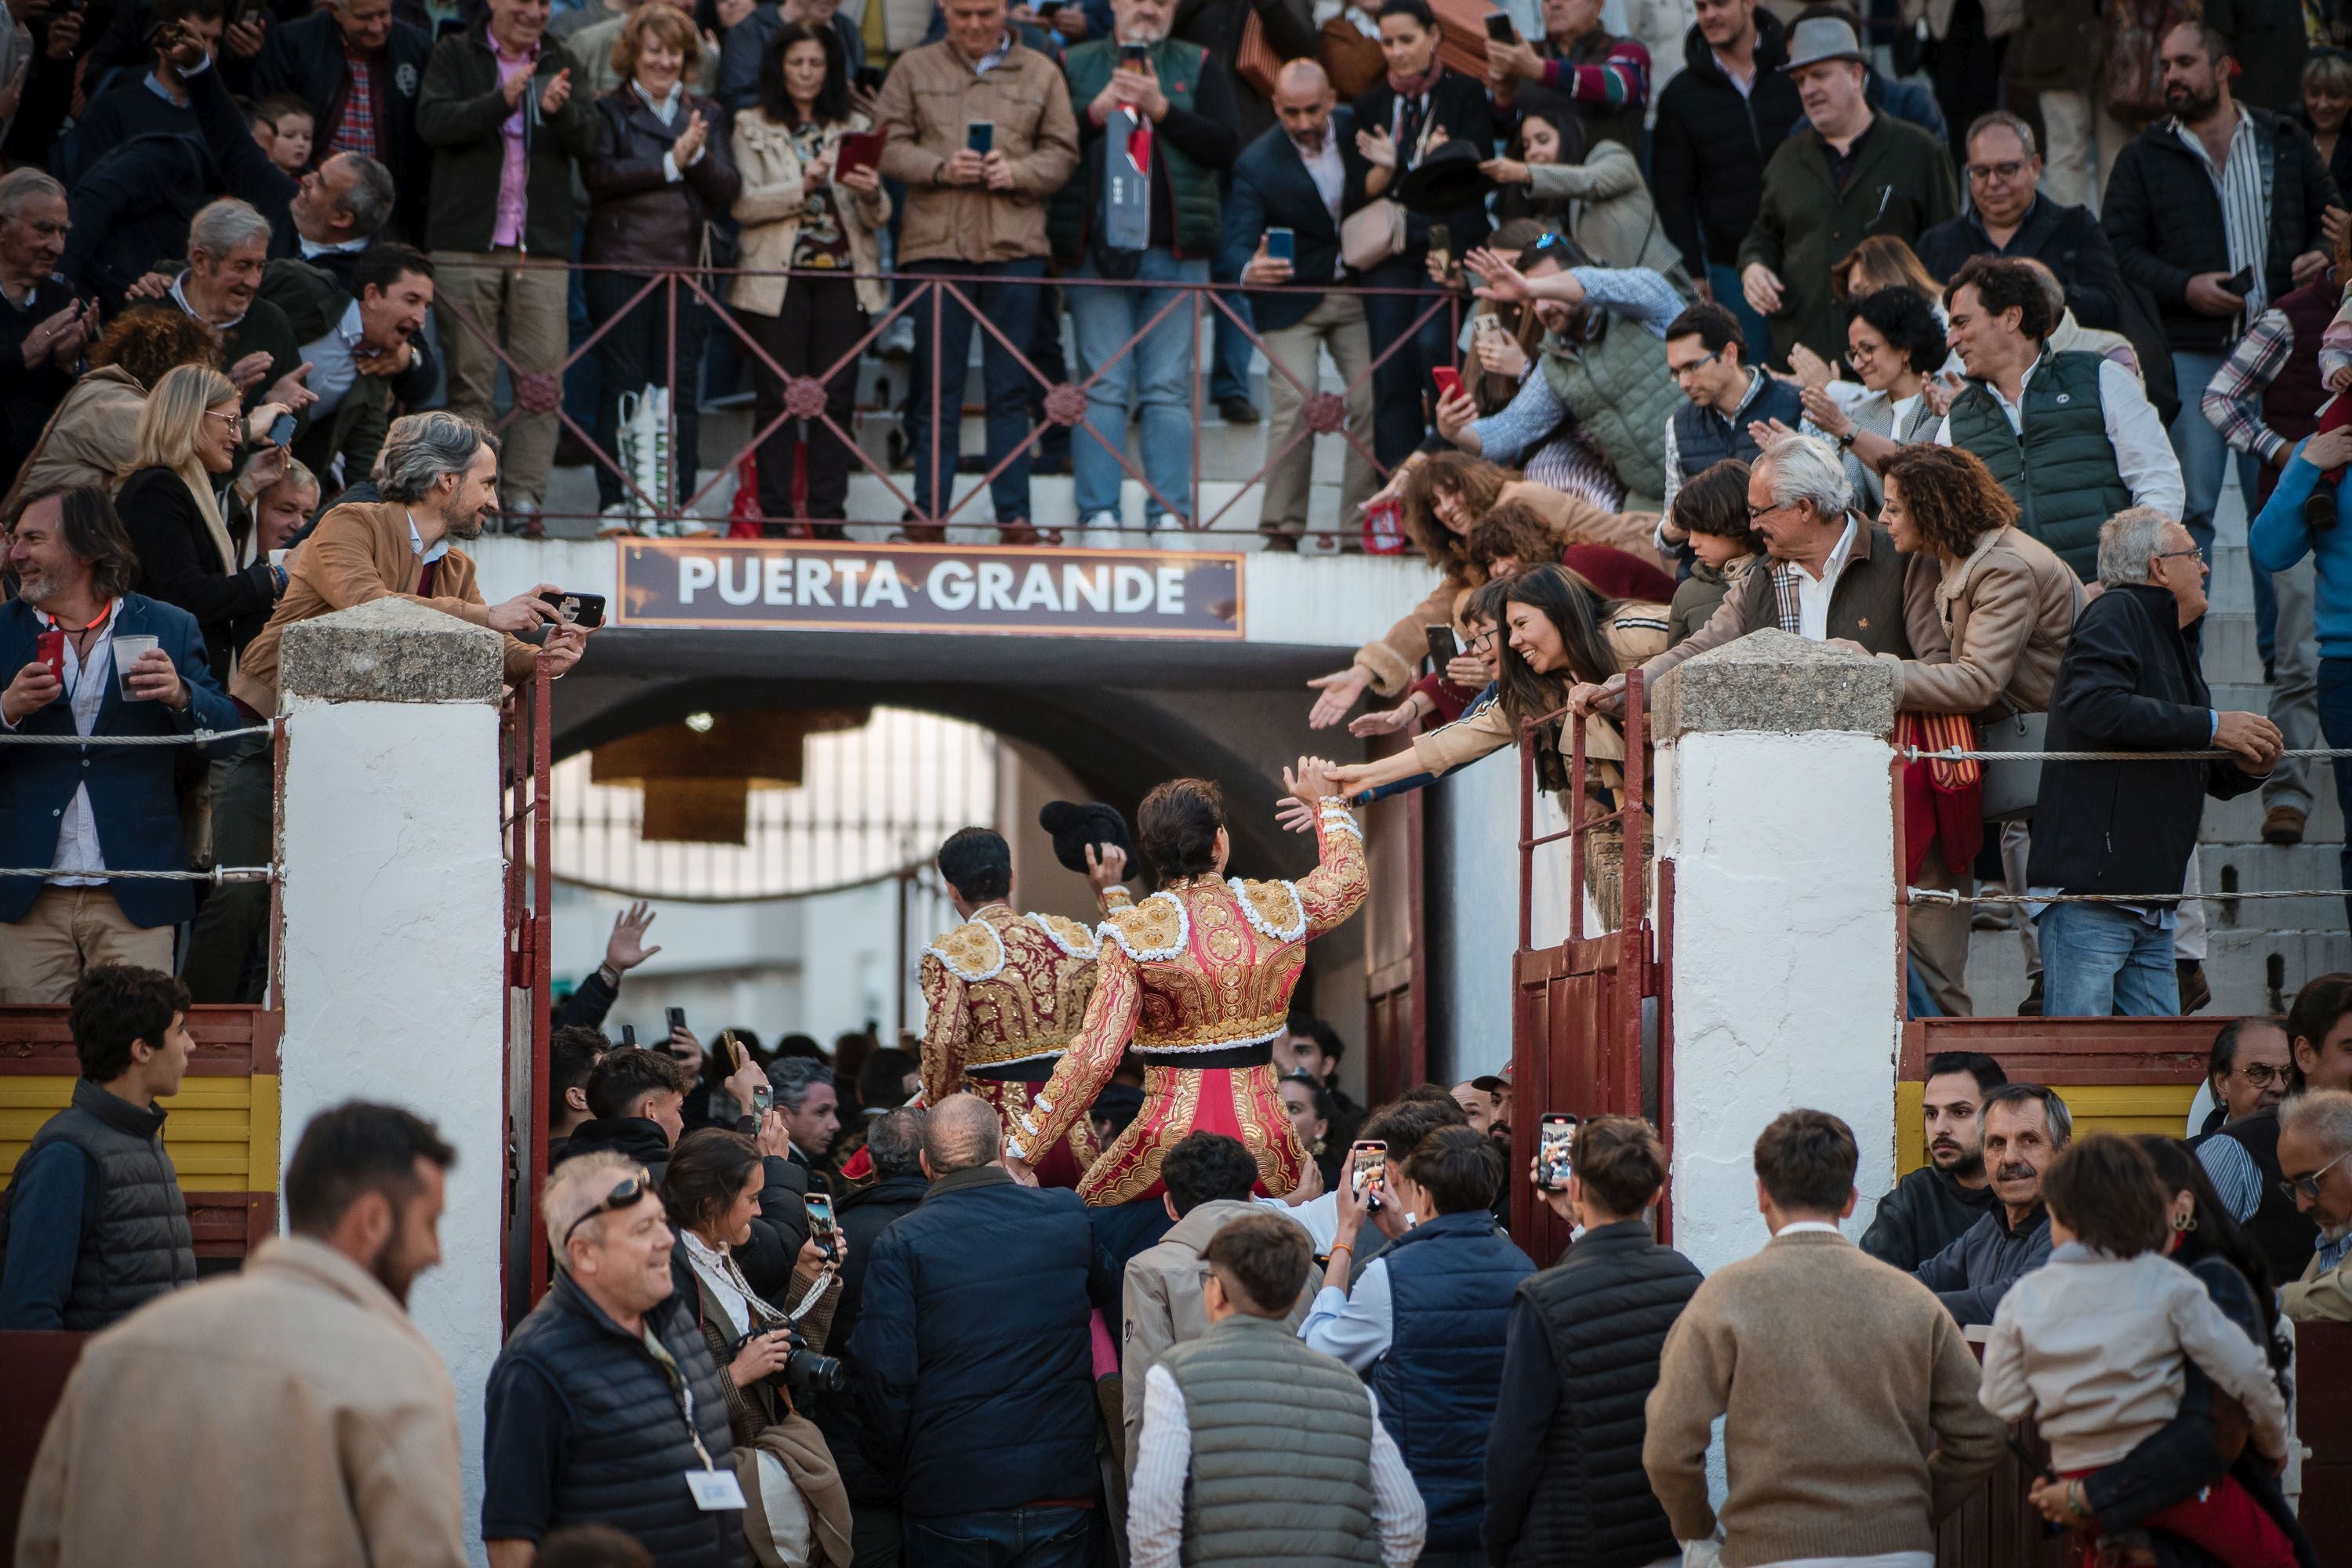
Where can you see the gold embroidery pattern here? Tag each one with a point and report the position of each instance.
(1266, 1129)
(1151, 931)
(1171, 1101)
(1068, 934)
(1029, 1007)
(1273, 908)
(971, 952)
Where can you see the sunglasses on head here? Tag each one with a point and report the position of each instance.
(624, 1196)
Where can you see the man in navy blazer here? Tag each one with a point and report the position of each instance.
(1301, 175)
(84, 811)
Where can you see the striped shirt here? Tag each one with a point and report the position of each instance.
(2245, 203)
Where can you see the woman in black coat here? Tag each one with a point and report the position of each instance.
(1421, 107)
(189, 433)
(663, 173)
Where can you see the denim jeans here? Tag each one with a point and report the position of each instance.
(2336, 723)
(2204, 457)
(2098, 960)
(1723, 281)
(1002, 1538)
(1156, 371)
(1229, 364)
(1012, 307)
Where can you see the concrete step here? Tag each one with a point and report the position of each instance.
(2239, 821)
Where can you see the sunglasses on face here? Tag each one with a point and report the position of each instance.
(624, 1196)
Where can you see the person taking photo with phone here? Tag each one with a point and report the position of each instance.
(1424, 1323)
(1564, 1477)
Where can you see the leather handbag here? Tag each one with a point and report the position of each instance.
(2009, 787)
(1376, 231)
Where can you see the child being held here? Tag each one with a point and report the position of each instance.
(1711, 508)
(2095, 1342)
(290, 118)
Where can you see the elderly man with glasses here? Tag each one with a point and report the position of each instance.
(2008, 216)
(606, 1406)
(2315, 1151)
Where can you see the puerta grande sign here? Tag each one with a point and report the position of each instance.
(802, 586)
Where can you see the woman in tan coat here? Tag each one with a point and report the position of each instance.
(91, 438)
(1445, 495)
(801, 209)
(2007, 603)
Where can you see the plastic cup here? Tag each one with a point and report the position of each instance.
(128, 651)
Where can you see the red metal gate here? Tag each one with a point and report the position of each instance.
(526, 820)
(1578, 1018)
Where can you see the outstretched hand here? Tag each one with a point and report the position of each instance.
(1310, 783)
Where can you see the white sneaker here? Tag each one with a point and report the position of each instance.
(613, 521)
(1100, 531)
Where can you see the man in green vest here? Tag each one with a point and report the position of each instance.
(1160, 112)
(2072, 437)
(1226, 1474)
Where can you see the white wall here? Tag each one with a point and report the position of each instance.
(394, 984)
(1786, 989)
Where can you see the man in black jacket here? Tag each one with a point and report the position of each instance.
(604, 1406)
(1931, 1208)
(1720, 120)
(2009, 217)
(2177, 237)
(1277, 186)
(2130, 682)
(974, 1380)
(1564, 1476)
(360, 71)
(636, 1104)
(893, 1142)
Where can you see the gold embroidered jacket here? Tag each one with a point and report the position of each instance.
(1003, 991)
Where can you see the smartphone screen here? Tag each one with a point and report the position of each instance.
(980, 135)
(2240, 282)
(1555, 1138)
(1368, 1165)
(1134, 54)
(1448, 379)
(1281, 245)
(821, 1230)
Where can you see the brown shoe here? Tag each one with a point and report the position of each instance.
(1018, 533)
(2283, 824)
(2195, 992)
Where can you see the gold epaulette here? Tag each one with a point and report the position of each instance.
(1274, 908)
(1154, 928)
(1066, 934)
(973, 951)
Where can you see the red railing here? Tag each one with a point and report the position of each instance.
(1578, 1025)
(527, 822)
(538, 388)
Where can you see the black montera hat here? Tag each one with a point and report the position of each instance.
(1073, 826)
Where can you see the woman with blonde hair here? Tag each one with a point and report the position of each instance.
(189, 434)
(1882, 261)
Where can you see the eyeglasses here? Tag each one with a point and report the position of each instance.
(1680, 371)
(1481, 641)
(228, 417)
(2262, 1075)
(2174, 554)
(2300, 1187)
(2004, 173)
(624, 1196)
(1755, 512)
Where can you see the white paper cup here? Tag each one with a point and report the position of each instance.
(128, 651)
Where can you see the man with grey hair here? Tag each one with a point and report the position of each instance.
(228, 247)
(438, 475)
(812, 1108)
(2130, 682)
(361, 69)
(2314, 1157)
(2025, 1126)
(973, 1325)
(44, 321)
(606, 1406)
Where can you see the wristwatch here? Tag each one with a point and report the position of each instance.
(1846, 440)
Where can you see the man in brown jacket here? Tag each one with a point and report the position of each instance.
(981, 132)
(438, 473)
(307, 1419)
(1843, 1444)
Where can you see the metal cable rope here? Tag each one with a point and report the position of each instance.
(195, 738)
(1914, 754)
(1953, 896)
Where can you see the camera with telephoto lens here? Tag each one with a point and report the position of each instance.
(805, 1371)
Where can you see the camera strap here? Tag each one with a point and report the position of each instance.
(677, 1385)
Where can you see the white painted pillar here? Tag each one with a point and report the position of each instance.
(1776, 805)
(394, 929)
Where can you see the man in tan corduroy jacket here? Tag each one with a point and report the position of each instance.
(1851, 1421)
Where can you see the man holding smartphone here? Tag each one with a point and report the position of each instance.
(971, 212)
(1282, 232)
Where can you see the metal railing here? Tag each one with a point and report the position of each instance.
(538, 387)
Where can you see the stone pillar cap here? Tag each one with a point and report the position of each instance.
(1775, 682)
(392, 651)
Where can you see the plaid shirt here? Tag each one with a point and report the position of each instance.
(2233, 398)
(356, 131)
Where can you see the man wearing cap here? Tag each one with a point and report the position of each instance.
(1846, 176)
(1004, 993)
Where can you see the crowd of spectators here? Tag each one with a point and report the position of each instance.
(934, 1362)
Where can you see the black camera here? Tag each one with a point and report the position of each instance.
(804, 1370)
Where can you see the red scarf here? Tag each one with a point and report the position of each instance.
(1414, 85)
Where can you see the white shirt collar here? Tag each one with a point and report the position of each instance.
(350, 328)
(416, 543)
(1796, 1226)
(311, 248)
(180, 298)
(665, 106)
(1836, 562)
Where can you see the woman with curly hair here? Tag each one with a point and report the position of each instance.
(1895, 342)
(2007, 600)
(1445, 494)
(1514, 536)
(88, 440)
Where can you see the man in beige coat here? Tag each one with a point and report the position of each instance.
(1209, 1178)
(290, 1414)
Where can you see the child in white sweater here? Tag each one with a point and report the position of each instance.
(2094, 1345)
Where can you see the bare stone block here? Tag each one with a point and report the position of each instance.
(392, 651)
(1779, 683)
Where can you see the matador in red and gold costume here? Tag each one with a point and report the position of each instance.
(1004, 994)
(1196, 979)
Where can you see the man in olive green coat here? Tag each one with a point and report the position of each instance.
(1847, 176)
